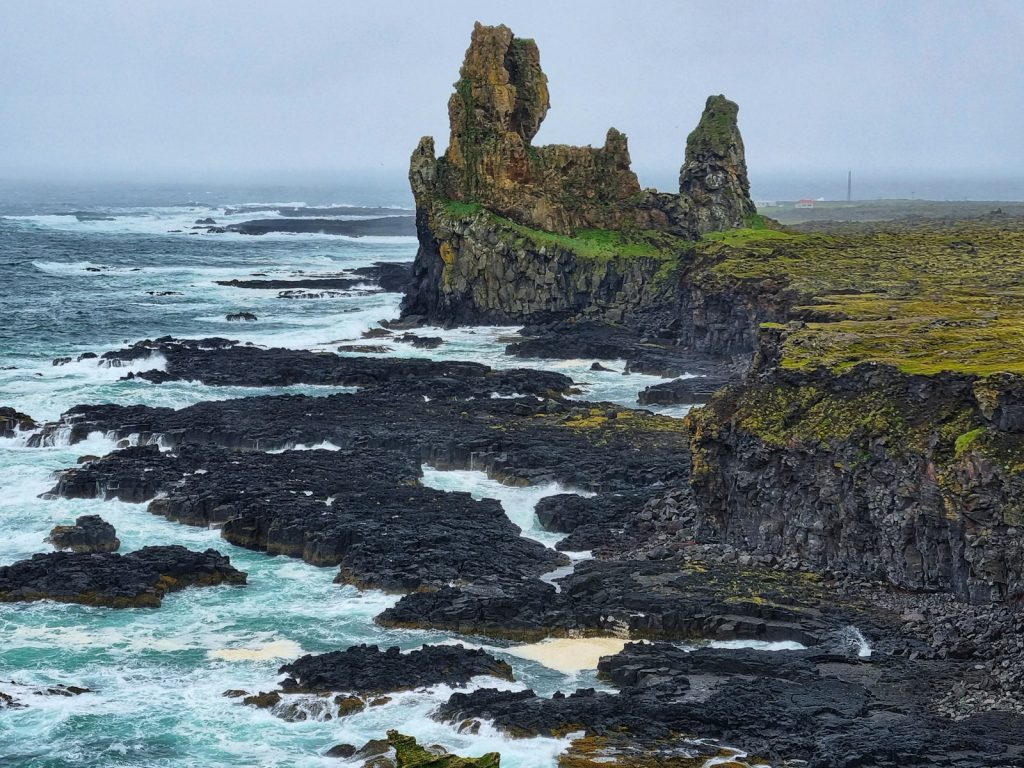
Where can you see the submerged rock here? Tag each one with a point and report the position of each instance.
(90, 533)
(243, 316)
(137, 580)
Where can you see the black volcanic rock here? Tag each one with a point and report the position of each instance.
(643, 353)
(591, 522)
(362, 510)
(826, 708)
(138, 579)
(391, 276)
(642, 598)
(12, 422)
(221, 362)
(696, 390)
(90, 533)
(337, 283)
(449, 422)
(366, 670)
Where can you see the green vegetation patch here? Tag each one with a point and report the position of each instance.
(595, 244)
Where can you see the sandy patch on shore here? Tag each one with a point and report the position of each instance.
(279, 649)
(570, 654)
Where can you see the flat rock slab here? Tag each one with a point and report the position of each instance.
(366, 670)
(136, 580)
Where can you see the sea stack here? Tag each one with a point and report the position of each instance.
(511, 231)
(714, 174)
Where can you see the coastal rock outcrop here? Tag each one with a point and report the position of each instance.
(90, 533)
(366, 670)
(137, 580)
(827, 708)
(363, 510)
(510, 230)
(12, 422)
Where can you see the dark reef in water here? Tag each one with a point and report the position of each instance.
(366, 670)
(90, 533)
(136, 580)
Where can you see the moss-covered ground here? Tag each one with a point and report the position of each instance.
(923, 298)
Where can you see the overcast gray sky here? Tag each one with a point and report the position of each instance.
(208, 89)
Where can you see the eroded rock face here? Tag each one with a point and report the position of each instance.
(90, 533)
(499, 103)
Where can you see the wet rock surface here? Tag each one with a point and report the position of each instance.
(692, 391)
(12, 422)
(643, 353)
(398, 751)
(365, 670)
(389, 276)
(138, 579)
(90, 533)
(592, 522)
(449, 422)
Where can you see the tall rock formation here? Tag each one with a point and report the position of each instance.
(714, 174)
(487, 208)
(499, 103)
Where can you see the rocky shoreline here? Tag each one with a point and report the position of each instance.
(852, 488)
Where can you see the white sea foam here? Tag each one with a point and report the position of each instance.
(519, 503)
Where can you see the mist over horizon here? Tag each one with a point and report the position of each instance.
(921, 99)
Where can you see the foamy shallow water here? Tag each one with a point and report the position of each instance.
(158, 675)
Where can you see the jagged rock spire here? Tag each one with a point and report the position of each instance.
(501, 88)
(499, 103)
(714, 173)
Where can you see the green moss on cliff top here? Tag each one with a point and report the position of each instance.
(922, 299)
(597, 244)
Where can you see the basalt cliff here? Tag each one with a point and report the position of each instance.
(510, 231)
